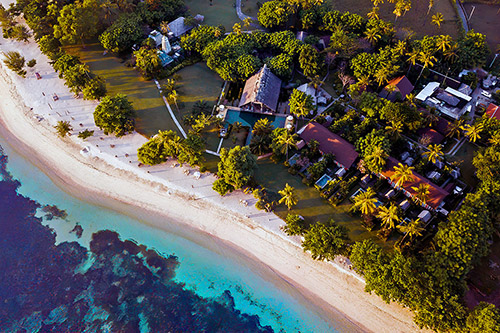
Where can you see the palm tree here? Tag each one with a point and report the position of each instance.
(372, 35)
(389, 216)
(365, 202)
(435, 153)
(394, 129)
(495, 139)
(444, 42)
(108, 8)
(472, 131)
(316, 82)
(411, 99)
(411, 229)
(287, 140)
(237, 29)
(374, 13)
(288, 196)
(431, 4)
(63, 128)
(422, 192)
(427, 60)
(437, 19)
(451, 54)
(364, 80)
(172, 96)
(400, 47)
(382, 75)
(403, 174)
(378, 156)
(217, 33)
(455, 129)
(164, 27)
(412, 58)
(247, 22)
(237, 126)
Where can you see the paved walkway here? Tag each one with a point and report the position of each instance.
(463, 15)
(240, 13)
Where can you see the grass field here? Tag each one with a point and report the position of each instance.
(485, 20)
(221, 12)
(152, 114)
(416, 19)
(464, 156)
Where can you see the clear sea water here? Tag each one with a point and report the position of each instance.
(120, 274)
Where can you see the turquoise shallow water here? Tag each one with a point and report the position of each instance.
(207, 272)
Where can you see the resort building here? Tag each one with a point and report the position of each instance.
(330, 143)
(177, 27)
(449, 101)
(261, 92)
(397, 89)
(436, 193)
(493, 111)
(319, 96)
(156, 36)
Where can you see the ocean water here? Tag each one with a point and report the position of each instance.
(68, 265)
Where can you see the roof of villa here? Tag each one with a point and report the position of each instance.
(262, 88)
(330, 143)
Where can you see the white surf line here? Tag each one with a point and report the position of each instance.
(170, 110)
(220, 145)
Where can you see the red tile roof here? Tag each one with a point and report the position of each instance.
(493, 111)
(402, 86)
(437, 194)
(330, 143)
(434, 136)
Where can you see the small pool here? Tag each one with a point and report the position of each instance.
(292, 160)
(250, 118)
(323, 181)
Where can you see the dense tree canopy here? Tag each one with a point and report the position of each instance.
(237, 166)
(115, 115)
(325, 241)
(76, 22)
(122, 34)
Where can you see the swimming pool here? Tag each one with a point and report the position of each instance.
(323, 181)
(250, 118)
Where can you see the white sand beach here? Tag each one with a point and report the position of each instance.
(107, 173)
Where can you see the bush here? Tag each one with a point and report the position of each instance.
(294, 225)
(85, 134)
(31, 63)
(221, 187)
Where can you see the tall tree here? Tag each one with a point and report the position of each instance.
(115, 115)
(472, 131)
(389, 216)
(325, 242)
(148, 61)
(422, 192)
(300, 103)
(434, 153)
(63, 128)
(286, 140)
(76, 22)
(365, 202)
(455, 129)
(288, 196)
(402, 174)
(437, 19)
(411, 229)
(237, 166)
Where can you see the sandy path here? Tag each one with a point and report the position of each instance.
(109, 175)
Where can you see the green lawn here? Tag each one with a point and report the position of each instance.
(151, 111)
(464, 156)
(194, 83)
(221, 12)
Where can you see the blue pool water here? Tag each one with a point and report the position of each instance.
(250, 118)
(102, 271)
(323, 180)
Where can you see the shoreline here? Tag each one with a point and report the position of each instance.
(98, 179)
